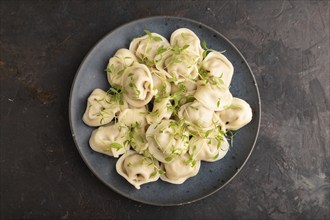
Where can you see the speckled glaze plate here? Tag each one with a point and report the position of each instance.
(212, 176)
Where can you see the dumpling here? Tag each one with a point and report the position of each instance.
(160, 82)
(198, 116)
(122, 59)
(162, 109)
(133, 116)
(237, 115)
(214, 97)
(135, 120)
(180, 62)
(148, 46)
(167, 140)
(138, 86)
(210, 148)
(183, 92)
(218, 66)
(179, 170)
(179, 65)
(187, 87)
(102, 108)
(137, 169)
(110, 140)
(184, 36)
(138, 140)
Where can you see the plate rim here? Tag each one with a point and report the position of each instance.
(194, 22)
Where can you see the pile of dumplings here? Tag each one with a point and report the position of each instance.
(168, 108)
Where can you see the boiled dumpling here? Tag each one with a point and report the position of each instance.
(133, 117)
(183, 92)
(122, 59)
(184, 36)
(102, 108)
(162, 109)
(218, 66)
(187, 87)
(147, 47)
(167, 140)
(138, 140)
(179, 65)
(110, 140)
(138, 86)
(210, 148)
(198, 116)
(237, 115)
(160, 82)
(137, 169)
(179, 170)
(135, 120)
(214, 97)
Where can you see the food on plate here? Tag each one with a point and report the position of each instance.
(102, 108)
(168, 109)
(137, 169)
(110, 139)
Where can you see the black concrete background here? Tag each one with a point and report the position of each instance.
(287, 46)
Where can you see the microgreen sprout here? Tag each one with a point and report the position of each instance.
(115, 145)
(143, 58)
(132, 85)
(230, 137)
(218, 102)
(152, 37)
(104, 114)
(209, 79)
(150, 160)
(110, 69)
(179, 95)
(116, 94)
(193, 107)
(159, 55)
(206, 50)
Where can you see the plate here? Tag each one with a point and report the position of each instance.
(212, 176)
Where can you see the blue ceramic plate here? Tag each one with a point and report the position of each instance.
(212, 176)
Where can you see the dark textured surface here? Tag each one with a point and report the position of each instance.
(287, 46)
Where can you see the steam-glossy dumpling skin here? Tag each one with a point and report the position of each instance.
(198, 116)
(237, 115)
(211, 148)
(146, 47)
(184, 36)
(219, 66)
(101, 108)
(110, 140)
(137, 169)
(122, 59)
(179, 170)
(214, 97)
(167, 140)
(138, 85)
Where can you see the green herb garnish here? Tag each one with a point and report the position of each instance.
(154, 38)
